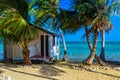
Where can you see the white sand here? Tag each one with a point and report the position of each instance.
(58, 72)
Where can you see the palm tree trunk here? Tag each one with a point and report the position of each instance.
(88, 38)
(90, 47)
(102, 54)
(26, 53)
(5, 50)
(64, 45)
(89, 60)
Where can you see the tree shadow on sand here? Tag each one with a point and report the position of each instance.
(105, 74)
(50, 70)
(81, 67)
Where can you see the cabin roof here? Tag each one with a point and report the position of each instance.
(46, 30)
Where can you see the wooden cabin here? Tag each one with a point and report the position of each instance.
(40, 48)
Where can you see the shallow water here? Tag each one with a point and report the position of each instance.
(1, 50)
(79, 51)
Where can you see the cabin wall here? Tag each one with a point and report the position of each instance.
(51, 46)
(9, 50)
(34, 47)
(17, 51)
(54, 47)
(14, 51)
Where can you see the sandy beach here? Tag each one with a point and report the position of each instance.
(63, 71)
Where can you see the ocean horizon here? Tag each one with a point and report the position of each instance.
(79, 51)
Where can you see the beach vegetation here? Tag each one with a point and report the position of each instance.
(15, 19)
(94, 16)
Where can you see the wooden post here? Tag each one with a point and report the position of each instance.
(44, 47)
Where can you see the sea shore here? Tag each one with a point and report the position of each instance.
(60, 71)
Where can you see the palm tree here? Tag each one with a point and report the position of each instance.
(83, 19)
(102, 54)
(3, 35)
(15, 18)
(50, 11)
(95, 14)
(102, 18)
(64, 45)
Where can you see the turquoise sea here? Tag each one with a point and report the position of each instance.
(1, 50)
(79, 51)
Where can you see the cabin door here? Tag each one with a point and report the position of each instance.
(44, 45)
(47, 45)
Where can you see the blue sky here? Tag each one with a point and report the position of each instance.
(113, 35)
